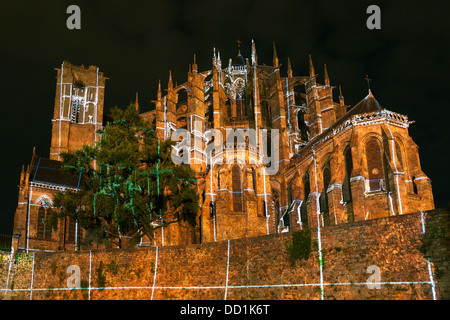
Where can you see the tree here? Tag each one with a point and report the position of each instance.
(130, 186)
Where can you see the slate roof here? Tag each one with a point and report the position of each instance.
(50, 172)
(239, 60)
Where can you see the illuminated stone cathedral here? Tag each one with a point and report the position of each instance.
(285, 154)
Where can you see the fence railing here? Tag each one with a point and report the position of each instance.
(5, 242)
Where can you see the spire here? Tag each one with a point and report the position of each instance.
(136, 103)
(254, 57)
(27, 175)
(22, 174)
(275, 58)
(170, 86)
(368, 84)
(219, 62)
(327, 79)
(194, 65)
(159, 90)
(341, 97)
(289, 71)
(312, 72)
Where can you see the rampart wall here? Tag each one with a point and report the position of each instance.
(412, 265)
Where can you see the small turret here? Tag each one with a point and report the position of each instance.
(341, 97)
(159, 90)
(194, 65)
(312, 72)
(22, 175)
(289, 71)
(254, 56)
(170, 85)
(136, 103)
(275, 57)
(327, 79)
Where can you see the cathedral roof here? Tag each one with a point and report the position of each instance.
(50, 172)
(239, 60)
(366, 105)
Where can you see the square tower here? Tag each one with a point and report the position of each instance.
(78, 111)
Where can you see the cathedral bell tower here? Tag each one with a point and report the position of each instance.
(78, 111)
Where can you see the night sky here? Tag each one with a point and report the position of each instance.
(136, 43)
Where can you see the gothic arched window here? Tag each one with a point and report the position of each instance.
(254, 180)
(236, 187)
(228, 108)
(303, 208)
(41, 223)
(240, 107)
(43, 230)
(288, 208)
(374, 165)
(346, 187)
(301, 125)
(265, 113)
(399, 156)
(218, 180)
(323, 196)
(72, 230)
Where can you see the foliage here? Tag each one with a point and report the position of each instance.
(299, 246)
(129, 186)
(101, 277)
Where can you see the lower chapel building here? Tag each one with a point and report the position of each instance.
(334, 163)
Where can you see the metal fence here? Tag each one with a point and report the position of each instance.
(5, 242)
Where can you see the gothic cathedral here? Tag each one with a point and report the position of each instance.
(273, 153)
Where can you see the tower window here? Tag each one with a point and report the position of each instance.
(78, 102)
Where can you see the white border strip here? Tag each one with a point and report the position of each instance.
(228, 268)
(428, 260)
(156, 269)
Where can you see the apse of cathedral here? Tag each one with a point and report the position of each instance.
(273, 153)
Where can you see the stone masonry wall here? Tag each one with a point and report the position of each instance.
(260, 267)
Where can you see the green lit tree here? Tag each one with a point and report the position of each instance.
(129, 186)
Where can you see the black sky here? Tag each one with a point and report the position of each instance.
(136, 43)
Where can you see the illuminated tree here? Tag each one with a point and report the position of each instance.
(129, 186)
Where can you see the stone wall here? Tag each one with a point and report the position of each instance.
(261, 267)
